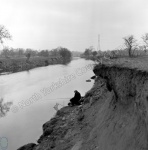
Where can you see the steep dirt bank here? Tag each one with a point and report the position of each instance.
(113, 117)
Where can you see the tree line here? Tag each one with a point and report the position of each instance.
(21, 52)
(131, 48)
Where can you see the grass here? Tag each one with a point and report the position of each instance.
(139, 63)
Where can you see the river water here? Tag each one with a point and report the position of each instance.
(34, 93)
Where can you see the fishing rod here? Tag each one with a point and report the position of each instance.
(59, 98)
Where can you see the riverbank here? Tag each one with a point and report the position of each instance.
(113, 116)
(12, 65)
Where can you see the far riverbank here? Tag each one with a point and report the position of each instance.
(12, 65)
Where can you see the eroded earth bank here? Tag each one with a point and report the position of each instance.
(114, 115)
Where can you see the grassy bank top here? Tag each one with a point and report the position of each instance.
(140, 63)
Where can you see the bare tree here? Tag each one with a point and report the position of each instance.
(4, 107)
(145, 40)
(130, 42)
(4, 34)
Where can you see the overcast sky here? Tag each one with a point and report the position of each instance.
(74, 24)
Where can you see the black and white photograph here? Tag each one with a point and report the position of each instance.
(73, 74)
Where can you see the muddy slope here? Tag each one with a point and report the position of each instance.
(113, 117)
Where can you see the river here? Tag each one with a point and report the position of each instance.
(33, 100)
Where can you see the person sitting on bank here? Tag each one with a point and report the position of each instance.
(76, 99)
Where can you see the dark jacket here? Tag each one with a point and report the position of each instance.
(76, 98)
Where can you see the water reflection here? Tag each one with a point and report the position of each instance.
(4, 107)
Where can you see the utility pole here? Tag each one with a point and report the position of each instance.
(98, 48)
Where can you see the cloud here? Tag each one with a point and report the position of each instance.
(45, 24)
